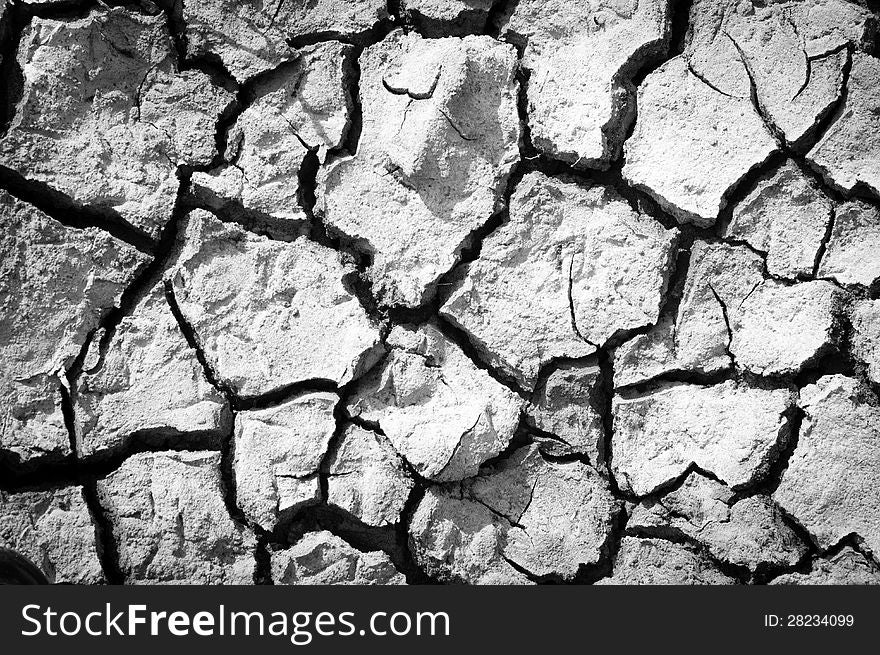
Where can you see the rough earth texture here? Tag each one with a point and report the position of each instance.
(54, 530)
(750, 532)
(829, 485)
(573, 266)
(278, 451)
(146, 383)
(440, 137)
(581, 60)
(525, 519)
(57, 285)
(109, 130)
(269, 314)
(171, 523)
(733, 431)
(444, 415)
(440, 291)
(324, 558)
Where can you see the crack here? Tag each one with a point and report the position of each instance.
(357, 534)
(604, 566)
(726, 322)
(500, 515)
(457, 129)
(411, 94)
(192, 340)
(831, 114)
(256, 222)
(807, 77)
(538, 434)
(351, 80)
(471, 348)
(365, 38)
(680, 26)
(85, 471)
(341, 419)
(284, 393)
(702, 79)
(771, 127)
(173, 10)
(10, 70)
(275, 15)
(499, 13)
(108, 552)
(392, 539)
(571, 308)
(470, 248)
(147, 277)
(70, 213)
(228, 483)
(461, 438)
(740, 573)
(358, 282)
(379, 433)
(532, 577)
(826, 238)
(687, 376)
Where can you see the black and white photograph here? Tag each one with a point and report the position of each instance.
(349, 294)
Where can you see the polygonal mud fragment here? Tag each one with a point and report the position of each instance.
(728, 310)
(832, 483)
(458, 540)
(105, 118)
(785, 216)
(692, 144)
(304, 107)
(170, 523)
(436, 18)
(581, 58)
(560, 514)
(730, 430)
(149, 381)
(656, 352)
(573, 267)
(253, 36)
(278, 451)
(525, 515)
(848, 567)
(54, 531)
(440, 136)
(851, 256)
(791, 55)
(779, 329)
(322, 558)
(268, 314)
(660, 562)
(444, 415)
(696, 339)
(865, 338)
(848, 155)
(56, 285)
(749, 533)
(367, 479)
(564, 406)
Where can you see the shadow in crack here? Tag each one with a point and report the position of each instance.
(16, 569)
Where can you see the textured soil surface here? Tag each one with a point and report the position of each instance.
(440, 291)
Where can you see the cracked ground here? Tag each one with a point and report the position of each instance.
(440, 291)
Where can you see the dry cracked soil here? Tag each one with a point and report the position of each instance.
(440, 291)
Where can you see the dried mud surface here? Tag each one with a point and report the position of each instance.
(440, 291)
